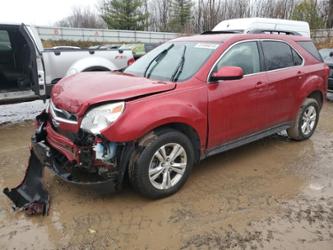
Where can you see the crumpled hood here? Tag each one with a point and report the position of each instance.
(76, 93)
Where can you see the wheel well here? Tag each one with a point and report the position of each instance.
(96, 68)
(190, 133)
(318, 96)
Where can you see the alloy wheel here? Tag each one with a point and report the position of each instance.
(167, 166)
(309, 119)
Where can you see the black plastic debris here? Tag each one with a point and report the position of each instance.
(30, 195)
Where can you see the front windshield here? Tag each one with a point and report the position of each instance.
(176, 61)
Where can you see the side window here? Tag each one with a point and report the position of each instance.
(297, 58)
(244, 55)
(5, 44)
(278, 55)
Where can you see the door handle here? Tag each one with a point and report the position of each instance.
(259, 84)
(299, 73)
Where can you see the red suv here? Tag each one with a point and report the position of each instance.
(188, 99)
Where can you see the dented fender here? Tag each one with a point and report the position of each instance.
(144, 115)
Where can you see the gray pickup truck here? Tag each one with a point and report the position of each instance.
(27, 70)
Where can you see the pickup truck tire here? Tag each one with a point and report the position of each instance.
(306, 121)
(162, 164)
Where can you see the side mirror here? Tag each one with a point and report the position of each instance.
(227, 73)
(331, 54)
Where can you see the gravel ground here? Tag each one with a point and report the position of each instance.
(271, 194)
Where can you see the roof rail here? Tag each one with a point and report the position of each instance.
(285, 32)
(211, 32)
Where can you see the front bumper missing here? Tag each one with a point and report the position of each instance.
(31, 197)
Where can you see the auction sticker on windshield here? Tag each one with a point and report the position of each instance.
(206, 45)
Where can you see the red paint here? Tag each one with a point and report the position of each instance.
(62, 144)
(76, 93)
(130, 61)
(219, 112)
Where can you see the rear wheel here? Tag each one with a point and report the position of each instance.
(163, 165)
(306, 121)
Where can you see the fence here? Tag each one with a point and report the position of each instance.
(322, 35)
(103, 35)
(119, 36)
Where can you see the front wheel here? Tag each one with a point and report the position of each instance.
(306, 121)
(163, 165)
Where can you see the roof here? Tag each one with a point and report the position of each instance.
(219, 38)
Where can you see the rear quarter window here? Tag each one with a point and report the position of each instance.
(311, 48)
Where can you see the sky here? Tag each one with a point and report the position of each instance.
(40, 12)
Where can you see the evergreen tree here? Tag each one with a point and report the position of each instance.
(123, 14)
(180, 15)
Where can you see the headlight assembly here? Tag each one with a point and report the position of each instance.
(101, 117)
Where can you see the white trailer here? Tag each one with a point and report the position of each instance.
(251, 25)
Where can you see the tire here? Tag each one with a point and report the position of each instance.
(155, 157)
(305, 118)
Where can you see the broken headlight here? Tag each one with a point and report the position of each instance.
(101, 117)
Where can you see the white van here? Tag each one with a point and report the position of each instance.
(253, 25)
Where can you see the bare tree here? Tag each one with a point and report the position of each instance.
(82, 18)
(330, 14)
(207, 13)
(159, 13)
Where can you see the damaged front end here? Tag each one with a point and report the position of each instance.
(81, 158)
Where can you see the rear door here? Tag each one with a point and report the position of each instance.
(36, 64)
(234, 107)
(284, 73)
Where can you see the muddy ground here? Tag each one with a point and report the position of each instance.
(272, 194)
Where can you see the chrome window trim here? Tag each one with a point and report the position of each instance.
(59, 119)
(257, 40)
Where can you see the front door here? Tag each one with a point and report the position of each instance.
(234, 108)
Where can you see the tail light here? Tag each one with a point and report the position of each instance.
(130, 61)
